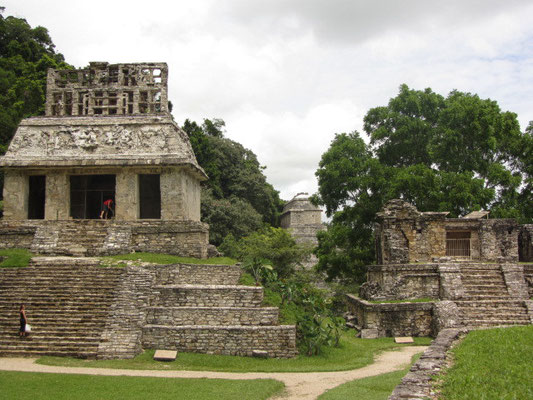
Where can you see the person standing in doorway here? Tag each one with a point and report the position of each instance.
(23, 321)
(108, 206)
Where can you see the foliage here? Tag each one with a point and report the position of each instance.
(458, 154)
(352, 353)
(228, 216)
(271, 245)
(26, 53)
(237, 198)
(31, 385)
(377, 387)
(258, 268)
(492, 364)
(157, 258)
(15, 257)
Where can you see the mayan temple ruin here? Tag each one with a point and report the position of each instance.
(471, 272)
(107, 134)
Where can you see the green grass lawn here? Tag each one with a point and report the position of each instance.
(43, 386)
(15, 257)
(492, 364)
(377, 387)
(353, 353)
(156, 258)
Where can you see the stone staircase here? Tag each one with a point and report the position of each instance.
(486, 301)
(201, 308)
(67, 304)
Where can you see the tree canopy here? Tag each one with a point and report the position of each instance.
(457, 153)
(26, 53)
(236, 199)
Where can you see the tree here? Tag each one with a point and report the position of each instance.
(271, 245)
(237, 193)
(26, 53)
(457, 154)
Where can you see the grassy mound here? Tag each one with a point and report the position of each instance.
(492, 364)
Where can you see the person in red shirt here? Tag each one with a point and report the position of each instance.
(107, 207)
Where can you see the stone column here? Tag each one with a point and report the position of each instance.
(57, 204)
(171, 195)
(126, 196)
(16, 188)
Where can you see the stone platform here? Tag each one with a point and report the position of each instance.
(91, 237)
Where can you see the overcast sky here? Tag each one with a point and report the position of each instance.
(286, 75)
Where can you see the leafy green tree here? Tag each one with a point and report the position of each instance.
(232, 215)
(26, 53)
(272, 245)
(457, 154)
(236, 183)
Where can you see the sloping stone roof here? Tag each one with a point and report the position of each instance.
(100, 141)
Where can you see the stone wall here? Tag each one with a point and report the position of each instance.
(192, 274)
(403, 281)
(277, 341)
(122, 334)
(16, 234)
(208, 296)
(185, 238)
(499, 240)
(525, 243)
(405, 235)
(106, 237)
(15, 195)
(528, 273)
(213, 316)
(419, 381)
(391, 319)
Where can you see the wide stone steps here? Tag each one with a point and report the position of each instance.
(208, 296)
(205, 311)
(67, 307)
(213, 316)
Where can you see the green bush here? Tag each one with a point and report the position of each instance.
(271, 245)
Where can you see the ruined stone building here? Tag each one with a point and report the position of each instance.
(472, 271)
(302, 219)
(107, 134)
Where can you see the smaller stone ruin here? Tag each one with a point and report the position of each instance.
(302, 219)
(466, 270)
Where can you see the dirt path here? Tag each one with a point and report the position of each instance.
(299, 385)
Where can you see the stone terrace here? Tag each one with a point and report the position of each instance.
(79, 308)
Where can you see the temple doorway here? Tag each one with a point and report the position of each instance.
(149, 196)
(36, 196)
(88, 193)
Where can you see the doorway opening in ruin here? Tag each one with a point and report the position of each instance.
(36, 196)
(458, 244)
(149, 196)
(88, 193)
